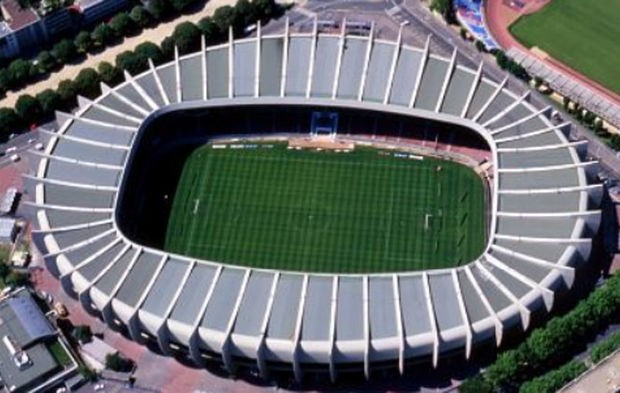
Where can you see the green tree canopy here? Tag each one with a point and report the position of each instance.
(49, 100)
(103, 35)
(65, 51)
(9, 122)
(28, 108)
(149, 50)
(109, 74)
(83, 41)
(21, 71)
(122, 24)
(87, 83)
(140, 16)
(187, 37)
(67, 93)
(46, 62)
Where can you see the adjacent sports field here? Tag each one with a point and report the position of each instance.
(583, 34)
(363, 211)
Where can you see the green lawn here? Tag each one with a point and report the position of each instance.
(583, 34)
(59, 353)
(363, 211)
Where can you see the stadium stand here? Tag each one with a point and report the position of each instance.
(541, 225)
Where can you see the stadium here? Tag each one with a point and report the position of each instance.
(106, 178)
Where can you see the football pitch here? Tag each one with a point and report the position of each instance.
(582, 34)
(267, 206)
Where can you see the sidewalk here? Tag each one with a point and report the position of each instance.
(156, 35)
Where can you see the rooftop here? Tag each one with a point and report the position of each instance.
(16, 16)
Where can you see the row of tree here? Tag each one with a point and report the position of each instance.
(29, 109)
(20, 72)
(552, 345)
(554, 380)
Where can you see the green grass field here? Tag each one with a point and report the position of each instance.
(356, 212)
(583, 34)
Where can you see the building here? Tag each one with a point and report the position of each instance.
(8, 230)
(543, 212)
(26, 362)
(7, 204)
(96, 10)
(20, 29)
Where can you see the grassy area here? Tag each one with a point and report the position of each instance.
(583, 34)
(363, 211)
(59, 353)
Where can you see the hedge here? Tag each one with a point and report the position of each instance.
(554, 380)
(604, 348)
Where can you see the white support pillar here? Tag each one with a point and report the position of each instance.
(225, 350)
(371, 38)
(418, 78)
(177, 75)
(548, 167)
(95, 255)
(285, 48)
(65, 183)
(567, 272)
(298, 325)
(107, 312)
(315, 33)
(395, 56)
(506, 110)
(134, 321)
(341, 45)
(400, 329)
(162, 333)
(332, 329)
(533, 133)
(194, 346)
(231, 63)
(140, 90)
(116, 113)
(74, 161)
(542, 148)
(366, 316)
(520, 120)
(84, 296)
(78, 245)
(86, 141)
(546, 293)
(523, 311)
(203, 66)
(69, 228)
(446, 82)
(130, 103)
(464, 316)
(431, 317)
(491, 98)
(78, 119)
(499, 327)
(258, 57)
(260, 358)
(472, 90)
(160, 86)
(551, 190)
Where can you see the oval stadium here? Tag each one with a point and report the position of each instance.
(369, 205)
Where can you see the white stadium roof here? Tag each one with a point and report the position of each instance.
(539, 227)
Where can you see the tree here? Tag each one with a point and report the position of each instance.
(160, 9)
(28, 108)
(83, 41)
(266, 9)
(103, 35)
(87, 83)
(66, 91)
(224, 17)
(131, 62)
(148, 50)
(446, 9)
(167, 47)
(21, 71)
(6, 80)
(49, 100)
(480, 46)
(614, 142)
(116, 362)
(17, 279)
(65, 51)
(140, 16)
(83, 334)
(109, 74)
(210, 30)
(9, 121)
(46, 62)
(187, 37)
(180, 5)
(476, 384)
(245, 14)
(122, 25)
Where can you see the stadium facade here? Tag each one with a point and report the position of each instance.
(541, 224)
